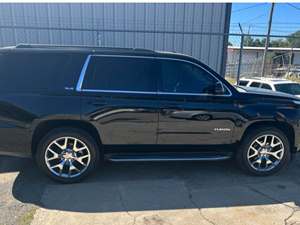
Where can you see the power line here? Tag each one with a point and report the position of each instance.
(292, 5)
(249, 7)
(255, 18)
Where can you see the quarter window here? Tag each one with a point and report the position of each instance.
(182, 77)
(121, 74)
(39, 71)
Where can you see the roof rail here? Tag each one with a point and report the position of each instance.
(97, 48)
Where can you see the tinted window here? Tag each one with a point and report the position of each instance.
(182, 77)
(243, 83)
(290, 88)
(266, 86)
(121, 73)
(254, 84)
(38, 72)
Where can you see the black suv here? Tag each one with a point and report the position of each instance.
(70, 107)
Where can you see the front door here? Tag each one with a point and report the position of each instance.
(190, 112)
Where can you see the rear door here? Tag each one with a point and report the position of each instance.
(119, 97)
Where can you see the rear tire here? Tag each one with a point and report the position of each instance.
(264, 151)
(67, 155)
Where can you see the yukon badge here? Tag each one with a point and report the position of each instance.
(217, 129)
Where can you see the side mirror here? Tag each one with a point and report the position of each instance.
(219, 89)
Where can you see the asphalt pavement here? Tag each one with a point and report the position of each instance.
(173, 193)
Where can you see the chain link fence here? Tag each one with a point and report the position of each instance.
(204, 44)
(245, 57)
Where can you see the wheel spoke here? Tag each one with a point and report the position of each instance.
(274, 145)
(275, 154)
(75, 144)
(268, 161)
(80, 159)
(73, 167)
(58, 145)
(79, 149)
(254, 154)
(265, 140)
(62, 167)
(272, 141)
(55, 155)
(66, 143)
(59, 165)
(258, 161)
(259, 143)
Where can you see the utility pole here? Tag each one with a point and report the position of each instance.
(267, 40)
(240, 55)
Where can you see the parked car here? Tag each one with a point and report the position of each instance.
(274, 84)
(73, 107)
(292, 72)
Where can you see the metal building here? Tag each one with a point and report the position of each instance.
(189, 28)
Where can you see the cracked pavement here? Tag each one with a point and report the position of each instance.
(174, 193)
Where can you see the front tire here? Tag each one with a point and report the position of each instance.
(67, 154)
(264, 151)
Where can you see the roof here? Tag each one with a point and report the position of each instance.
(269, 80)
(263, 48)
(98, 50)
(87, 50)
(77, 48)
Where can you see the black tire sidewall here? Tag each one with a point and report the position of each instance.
(242, 158)
(71, 132)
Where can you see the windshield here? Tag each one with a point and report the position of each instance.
(290, 88)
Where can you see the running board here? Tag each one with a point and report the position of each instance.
(167, 157)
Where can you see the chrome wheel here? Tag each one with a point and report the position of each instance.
(265, 152)
(67, 157)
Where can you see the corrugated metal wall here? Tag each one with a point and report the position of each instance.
(159, 26)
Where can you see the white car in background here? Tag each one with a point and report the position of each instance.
(274, 84)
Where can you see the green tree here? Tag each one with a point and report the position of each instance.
(294, 39)
(279, 43)
(259, 42)
(248, 41)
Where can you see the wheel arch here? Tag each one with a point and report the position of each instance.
(46, 126)
(286, 128)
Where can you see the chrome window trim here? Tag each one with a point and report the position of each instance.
(86, 64)
(82, 73)
(119, 91)
(191, 94)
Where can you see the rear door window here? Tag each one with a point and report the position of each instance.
(121, 74)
